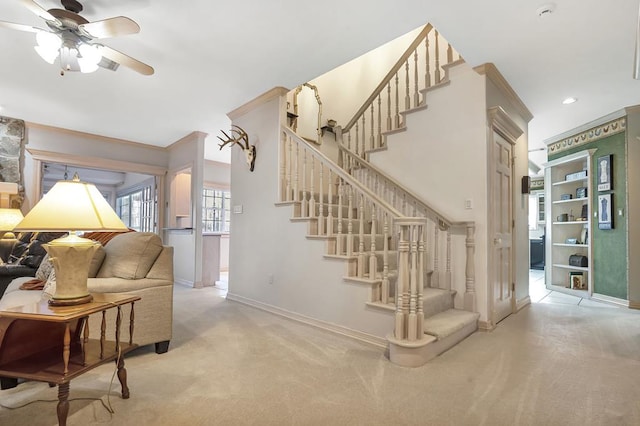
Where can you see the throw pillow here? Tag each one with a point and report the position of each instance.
(49, 288)
(44, 269)
(34, 284)
(130, 255)
(35, 252)
(96, 262)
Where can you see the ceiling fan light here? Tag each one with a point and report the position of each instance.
(46, 54)
(49, 41)
(90, 54)
(86, 66)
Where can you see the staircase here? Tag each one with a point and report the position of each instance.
(389, 240)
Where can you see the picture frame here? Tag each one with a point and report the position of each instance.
(605, 207)
(604, 165)
(576, 281)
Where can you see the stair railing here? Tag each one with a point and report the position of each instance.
(438, 227)
(419, 67)
(323, 191)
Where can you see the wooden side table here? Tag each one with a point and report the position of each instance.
(52, 343)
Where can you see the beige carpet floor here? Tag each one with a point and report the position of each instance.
(550, 364)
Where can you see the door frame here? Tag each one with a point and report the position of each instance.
(500, 123)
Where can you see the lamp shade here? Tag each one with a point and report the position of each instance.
(72, 205)
(9, 218)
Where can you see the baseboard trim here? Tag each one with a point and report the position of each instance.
(611, 300)
(525, 301)
(634, 305)
(378, 342)
(485, 325)
(186, 283)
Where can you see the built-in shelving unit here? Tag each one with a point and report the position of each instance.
(568, 225)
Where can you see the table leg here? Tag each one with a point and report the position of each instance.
(63, 403)
(122, 376)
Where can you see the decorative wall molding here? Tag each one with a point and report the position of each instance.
(602, 131)
(498, 79)
(369, 339)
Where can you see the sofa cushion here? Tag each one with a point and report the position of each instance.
(44, 269)
(130, 255)
(28, 249)
(96, 262)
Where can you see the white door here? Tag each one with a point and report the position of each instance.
(501, 227)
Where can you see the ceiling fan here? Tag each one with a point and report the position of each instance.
(72, 39)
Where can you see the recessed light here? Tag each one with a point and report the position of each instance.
(570, 101)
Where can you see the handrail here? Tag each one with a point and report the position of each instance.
(441, 218)
(347, 177)
(419, 39)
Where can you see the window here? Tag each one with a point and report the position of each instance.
(216, 213)
(137, 207)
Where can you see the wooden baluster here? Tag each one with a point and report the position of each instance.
(427, 72)
(357, 138)
(283, 168)
(378, 143)
(397, 102)
(407, 96)
(296, 176)
(321, 201)
(389, 106)
(402, 284)
(103, 329)
(437, 70)
(350, 222)
(416, 94)
(349, 141)
(312, 197)
(304, 205)
(361, 257)
(330, 205)
(364, 137)
(421, 274)
(131, 323)
(118, 324)
(373, 259)
(447, 276)
(385, 260)
(449, 53)
(412, 332)
(66, 349)
(289, 158)
(372, 138)
(435, 277)
(85, 339)
(339, 241)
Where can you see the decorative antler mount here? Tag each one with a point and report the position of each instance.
(239, 137)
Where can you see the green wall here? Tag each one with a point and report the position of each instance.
(609, 246)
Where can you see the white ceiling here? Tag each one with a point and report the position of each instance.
(211, 57)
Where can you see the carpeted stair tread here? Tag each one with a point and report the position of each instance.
(448, 322)
(436, 300)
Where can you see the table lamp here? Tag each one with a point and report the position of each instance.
(9, 218)
(71, 205)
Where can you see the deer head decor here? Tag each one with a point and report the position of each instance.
(239, 137)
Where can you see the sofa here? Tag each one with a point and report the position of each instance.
(130, 263)
(21, 256)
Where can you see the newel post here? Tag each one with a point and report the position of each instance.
(470, 270)
(408, 343)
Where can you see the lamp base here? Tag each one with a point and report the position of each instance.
(70, 302)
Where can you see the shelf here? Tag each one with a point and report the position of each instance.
(569, 245)
(576, 268)
(566, 182)
(573, 222)
(570, 200)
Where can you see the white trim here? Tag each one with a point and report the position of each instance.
(181, 281)
(611, 300)
(369, 339)
(525, 301)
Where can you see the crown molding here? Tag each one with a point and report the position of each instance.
(496, 78)
(254, 103)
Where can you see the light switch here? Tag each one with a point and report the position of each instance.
(620, 212)
(237, 209)
(468, 204)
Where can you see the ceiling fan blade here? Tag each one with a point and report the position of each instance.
(41, 12)
(20, 27)
(112, 27)
(125, 60)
